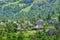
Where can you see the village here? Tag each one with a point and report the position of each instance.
(49, 26)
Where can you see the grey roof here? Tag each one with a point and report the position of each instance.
(51, 32)
(39, 22)
(38, 27)
(52, 21)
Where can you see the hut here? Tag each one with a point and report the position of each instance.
(39, 25)
(39, 22)
(50, 32)
(52, 21)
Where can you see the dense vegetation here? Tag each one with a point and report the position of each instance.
(18, 19)
(9, 30)
(16, 9)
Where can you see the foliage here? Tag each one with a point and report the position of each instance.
(14, 9)
(59, 18)
(29, 10)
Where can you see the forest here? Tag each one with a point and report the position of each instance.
(29, 19)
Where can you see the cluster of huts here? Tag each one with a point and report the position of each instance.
(39, 25)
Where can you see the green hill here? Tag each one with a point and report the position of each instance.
(16, 9)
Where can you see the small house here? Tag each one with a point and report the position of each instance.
(50, 32)
(52, 21)
(39, 25)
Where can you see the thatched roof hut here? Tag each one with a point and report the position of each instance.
(39, 25)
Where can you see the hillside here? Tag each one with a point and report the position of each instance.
(16, 9)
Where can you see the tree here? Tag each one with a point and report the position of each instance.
(27, 1)
(48, 17)
(59, 18)
(12, 27)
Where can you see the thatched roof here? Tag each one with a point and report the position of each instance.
(39, 22)
(38, 27)
(52, 21)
